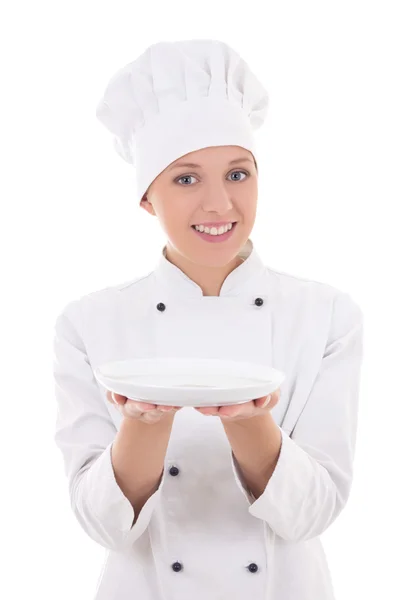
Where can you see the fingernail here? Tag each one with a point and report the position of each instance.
(113, 397)
(267, 400)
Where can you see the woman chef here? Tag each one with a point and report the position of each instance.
(224, 503)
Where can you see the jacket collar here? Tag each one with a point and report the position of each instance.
(176, 282)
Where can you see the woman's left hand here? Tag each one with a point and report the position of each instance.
(238, 412)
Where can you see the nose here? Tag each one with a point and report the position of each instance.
(217, 199)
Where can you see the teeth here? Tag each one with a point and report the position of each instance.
(214, 230)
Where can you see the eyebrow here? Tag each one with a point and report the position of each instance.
(194, 166)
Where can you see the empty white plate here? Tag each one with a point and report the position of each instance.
(189, 381)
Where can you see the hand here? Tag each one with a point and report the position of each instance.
(142, 411)
(238, 412)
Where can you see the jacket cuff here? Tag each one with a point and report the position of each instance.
(287, 487)
(110, 507)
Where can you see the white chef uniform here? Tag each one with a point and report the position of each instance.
(201, 535)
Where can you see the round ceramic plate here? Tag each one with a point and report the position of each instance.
(189, 381)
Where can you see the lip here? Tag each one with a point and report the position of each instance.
(215, 224)
(215, 238)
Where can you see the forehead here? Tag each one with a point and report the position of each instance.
(198, 165)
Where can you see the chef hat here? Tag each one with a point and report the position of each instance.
(178, 97)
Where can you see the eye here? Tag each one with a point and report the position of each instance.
(189, 176)
(184, 177)
(233, 172)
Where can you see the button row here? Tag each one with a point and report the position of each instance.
(161, 306)
(177, 566)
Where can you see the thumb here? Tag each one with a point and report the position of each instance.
(117, 398)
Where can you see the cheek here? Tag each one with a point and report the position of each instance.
(176, 225)
(178, 214)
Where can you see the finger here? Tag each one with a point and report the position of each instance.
(130, 409)
(151, 416)
(230, 411)
(235, 409)
(263, 401)
(134, 410)
(109, 396)
(142, 406)
(246, 409)
(208, 410)
(117, 398)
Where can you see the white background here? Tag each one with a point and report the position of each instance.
(71, 224)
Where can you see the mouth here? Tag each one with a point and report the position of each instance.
(233, 225)
(216, 238)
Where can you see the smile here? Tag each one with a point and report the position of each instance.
(215, 238)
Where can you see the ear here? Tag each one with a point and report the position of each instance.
(144, 203)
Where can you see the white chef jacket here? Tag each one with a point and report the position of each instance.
(202, 535)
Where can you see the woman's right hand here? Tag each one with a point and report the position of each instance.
(142, 411)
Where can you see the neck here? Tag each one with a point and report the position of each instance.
(210, 279)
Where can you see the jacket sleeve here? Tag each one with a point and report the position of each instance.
(84, 434)
(312, 479)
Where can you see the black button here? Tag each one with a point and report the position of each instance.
(253, 568)
(259, 301)
(174, 471)
(160, 306)
(177, 566)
